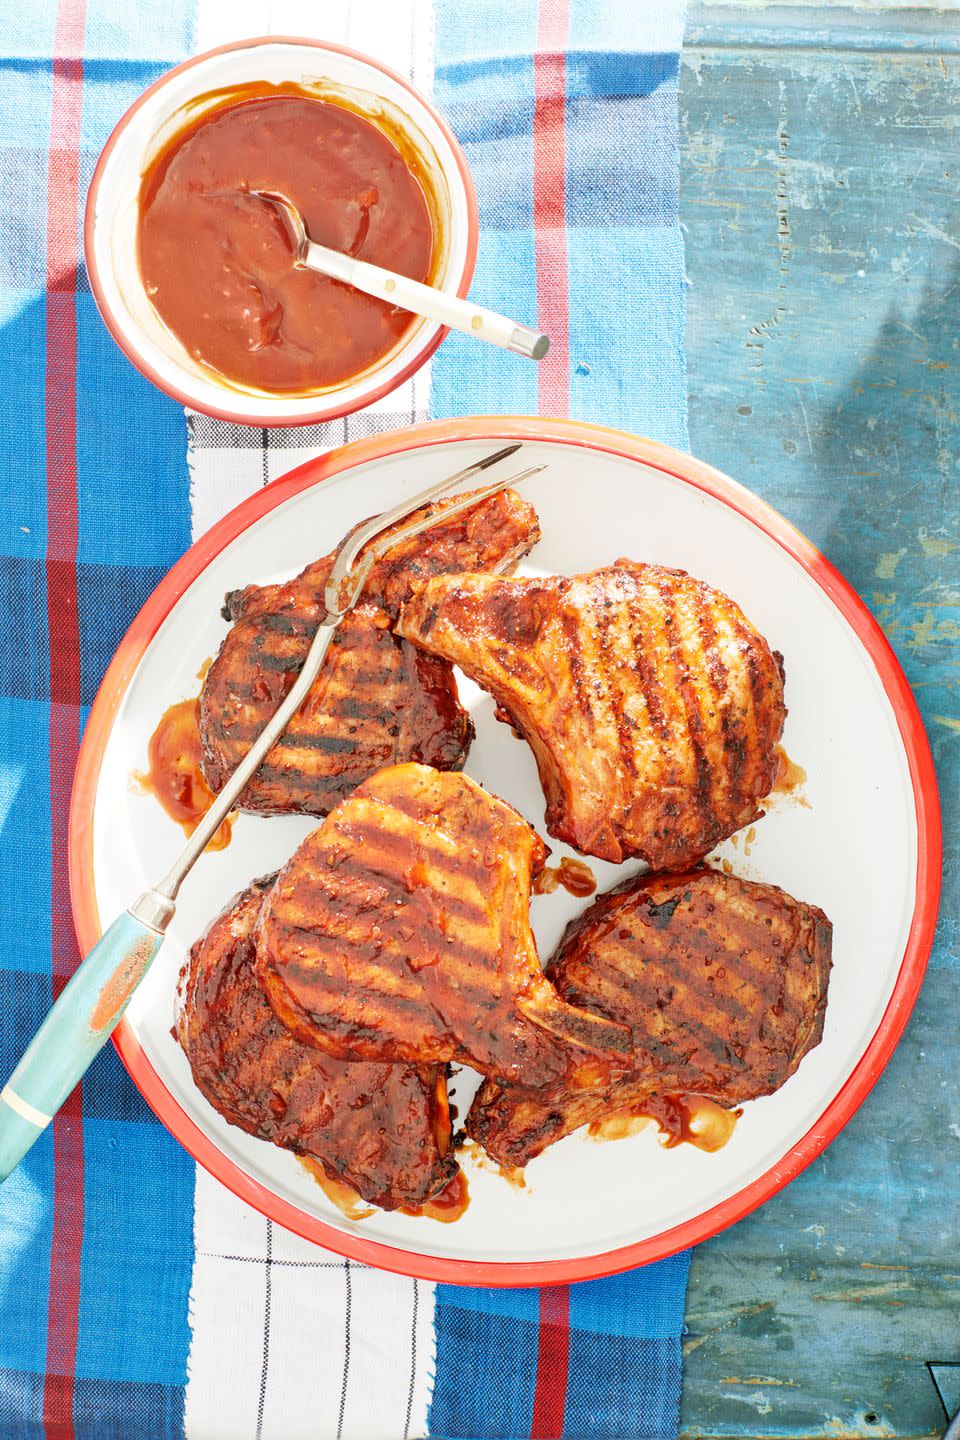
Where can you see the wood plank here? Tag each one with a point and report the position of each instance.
(794, 24)
(873, 6)
(820, 198)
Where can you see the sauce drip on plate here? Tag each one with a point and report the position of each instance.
(575, 876)
(216, 260)
(344, 1197)
(514, 1175)
(790, 777)
(174, 775)
(446, 1207)
(681, 1119)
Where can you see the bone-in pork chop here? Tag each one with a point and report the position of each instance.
(652, 706)
(400, 931)
(384, 1130)
(724, 985)
(377, 700)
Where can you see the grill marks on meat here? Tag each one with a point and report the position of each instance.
(321, 1012)
(651, 704)
(382, 1129)
(491, 537)
(400, 931)
(723, 982)
(377, 700)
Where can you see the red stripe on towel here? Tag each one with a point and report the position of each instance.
(550, 242)
(553, 1350)
(549, 187)
(63, 195)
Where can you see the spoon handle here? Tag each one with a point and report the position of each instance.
(424, 300)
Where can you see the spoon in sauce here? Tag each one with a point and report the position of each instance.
(400, 290)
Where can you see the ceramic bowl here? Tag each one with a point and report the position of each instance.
(110, 232)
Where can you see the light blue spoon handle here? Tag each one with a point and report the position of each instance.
(75, 1030)
(81, 1021)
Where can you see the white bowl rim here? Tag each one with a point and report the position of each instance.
(332, 404)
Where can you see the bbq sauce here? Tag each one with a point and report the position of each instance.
(174, 773)
(513, 1174)
(344, 1197)
(681, 1120)
(790, 777)
(217, 262)
(575, 876)
(446, 1207)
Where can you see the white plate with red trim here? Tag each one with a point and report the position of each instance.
(588, 1209)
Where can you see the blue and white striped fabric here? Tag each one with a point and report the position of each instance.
(137, 1297)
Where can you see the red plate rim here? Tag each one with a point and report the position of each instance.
(912, 733)
(331, 410)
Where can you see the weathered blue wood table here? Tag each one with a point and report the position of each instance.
(820, 196)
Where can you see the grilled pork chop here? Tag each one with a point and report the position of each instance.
(382, 1129)
(722, 981)
(400, 931)
(377, 700)
(651, 704)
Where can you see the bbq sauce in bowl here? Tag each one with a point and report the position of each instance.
(217, 263)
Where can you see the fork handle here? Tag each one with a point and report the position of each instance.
(424, 300)
(74, 1032)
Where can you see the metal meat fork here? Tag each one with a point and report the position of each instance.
(90, 1007)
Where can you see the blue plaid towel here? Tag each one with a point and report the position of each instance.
(137, 1298)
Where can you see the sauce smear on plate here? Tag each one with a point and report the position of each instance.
(446, 1207)
(681, 1119)
(174, 775)
(216, 260)
(790, 777)
(575, 876)
(344, 1197)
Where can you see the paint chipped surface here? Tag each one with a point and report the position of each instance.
(886, 566)
(122, 983)
(846, 1282)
